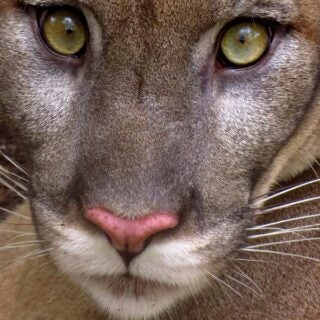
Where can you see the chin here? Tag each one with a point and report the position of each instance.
(129, 298)
(156, 280)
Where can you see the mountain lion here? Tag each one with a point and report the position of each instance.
(154, 132)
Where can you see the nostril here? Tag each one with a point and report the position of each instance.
(130, 235)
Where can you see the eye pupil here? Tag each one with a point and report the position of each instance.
(242, 39)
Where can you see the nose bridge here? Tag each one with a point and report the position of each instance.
(132, 152)
(136, 126)
(132, 135)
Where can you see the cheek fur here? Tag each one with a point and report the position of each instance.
(137, 128)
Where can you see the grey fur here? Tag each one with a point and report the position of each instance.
(147, 123)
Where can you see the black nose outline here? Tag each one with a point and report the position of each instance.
(127, 256)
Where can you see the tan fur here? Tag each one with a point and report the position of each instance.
(146, 121)
(35, 290)
(290, 286)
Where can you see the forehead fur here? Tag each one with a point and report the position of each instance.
(195, 15)
(198, 15)
(182, 10)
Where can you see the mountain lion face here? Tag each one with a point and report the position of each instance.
(150, 126)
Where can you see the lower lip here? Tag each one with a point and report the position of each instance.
(127, 285)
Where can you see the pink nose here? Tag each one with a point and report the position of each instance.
(130, 235)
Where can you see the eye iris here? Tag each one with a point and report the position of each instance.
(64, 31)
(245, 43)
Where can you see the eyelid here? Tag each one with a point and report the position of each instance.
(47, 3)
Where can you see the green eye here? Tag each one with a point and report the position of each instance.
(245, 43)
(64, 31)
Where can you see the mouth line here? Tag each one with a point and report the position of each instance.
(129, 285)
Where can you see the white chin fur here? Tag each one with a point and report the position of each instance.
(131, 307)
(82, 253)
(173, 263)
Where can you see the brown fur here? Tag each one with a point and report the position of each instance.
(35, 290)
(290, 286)
(148, 121)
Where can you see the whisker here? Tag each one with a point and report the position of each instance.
(10, 247)
(168, 314)
(283, 221)
(15, 213)
(21, 236)
(32, 253)
(243, 274)
(264, 198)
(17, 183)
(251, 260)
(13, 174)
(286, 205)
(282, 242)
(298, 232)
(225, 284)
(310, 165)
(281, 253)
(17, 232)
(28, 241)
(269, 228)
(14, 163)
(29, 256)
(17, 224)
(244, 285)
(309, 227)
(315, 160)
(285, 231)
(12, 188)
